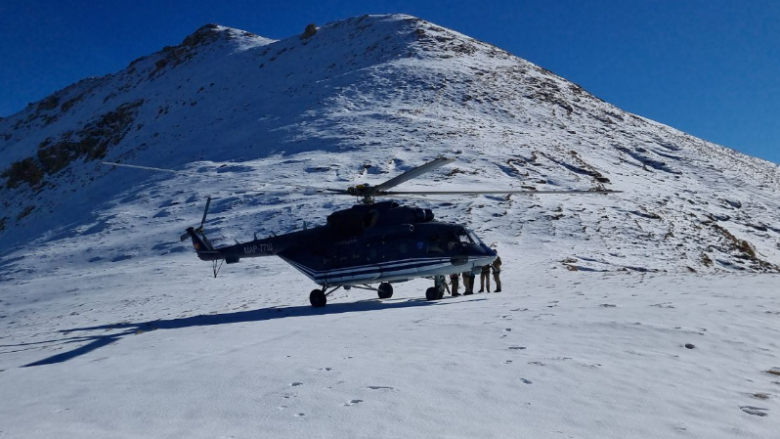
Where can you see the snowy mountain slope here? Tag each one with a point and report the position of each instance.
(390, 92)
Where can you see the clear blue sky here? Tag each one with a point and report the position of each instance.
(707, 67)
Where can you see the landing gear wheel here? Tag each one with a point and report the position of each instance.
(385, 290)
(433, 294)
(318, 299)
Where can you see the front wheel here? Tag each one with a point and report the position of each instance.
(432, 294)
(385, 290)
(318, 299)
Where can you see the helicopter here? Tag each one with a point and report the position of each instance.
(373, 242)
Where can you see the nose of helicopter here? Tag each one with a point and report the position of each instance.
(482, 255)
(475, 255)
(478, 256)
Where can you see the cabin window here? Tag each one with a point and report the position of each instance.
(435, 244)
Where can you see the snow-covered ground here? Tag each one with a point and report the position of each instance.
(159, 349)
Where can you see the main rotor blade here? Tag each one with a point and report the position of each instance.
(205, 212)
(496, 192)
(150, 168)
(232, 178)
(412, 173)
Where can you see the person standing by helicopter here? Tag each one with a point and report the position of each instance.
(484, 277)
(454, 281)
(467, 285)
(496, 272)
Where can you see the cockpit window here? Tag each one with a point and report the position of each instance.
(465, 237)
(474, 238)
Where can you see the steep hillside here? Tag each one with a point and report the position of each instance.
(359, 101)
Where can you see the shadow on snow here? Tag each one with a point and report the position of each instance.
(95, 342)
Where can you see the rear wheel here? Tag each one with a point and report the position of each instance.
(317, 298)
(385, 290)
(432, 294)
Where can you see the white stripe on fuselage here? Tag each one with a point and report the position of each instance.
(390, 271)
(366, 267)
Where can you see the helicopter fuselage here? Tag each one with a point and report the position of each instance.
(367, 244)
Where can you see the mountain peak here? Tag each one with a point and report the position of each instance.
(421, 37)
(211, 33)
(205, 34)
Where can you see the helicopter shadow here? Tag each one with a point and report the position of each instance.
(95, 342)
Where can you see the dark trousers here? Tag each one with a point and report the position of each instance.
(467, 287)
(484, 278)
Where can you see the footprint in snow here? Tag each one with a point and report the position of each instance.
(326, 369)
(380, 388)
(755, 411)
(525, 381)
(352, 402)
(295, 384)
(507, 361)
(516, 348)
(300, 415)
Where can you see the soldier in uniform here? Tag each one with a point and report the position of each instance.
(497, 272)
(484, 277)
(454, 281)
(467, 286)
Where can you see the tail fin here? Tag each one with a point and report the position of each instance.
(206, 251)
(201, 244)
(198, 243)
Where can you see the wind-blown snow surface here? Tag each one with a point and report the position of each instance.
(154, 349)
(110, 327)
